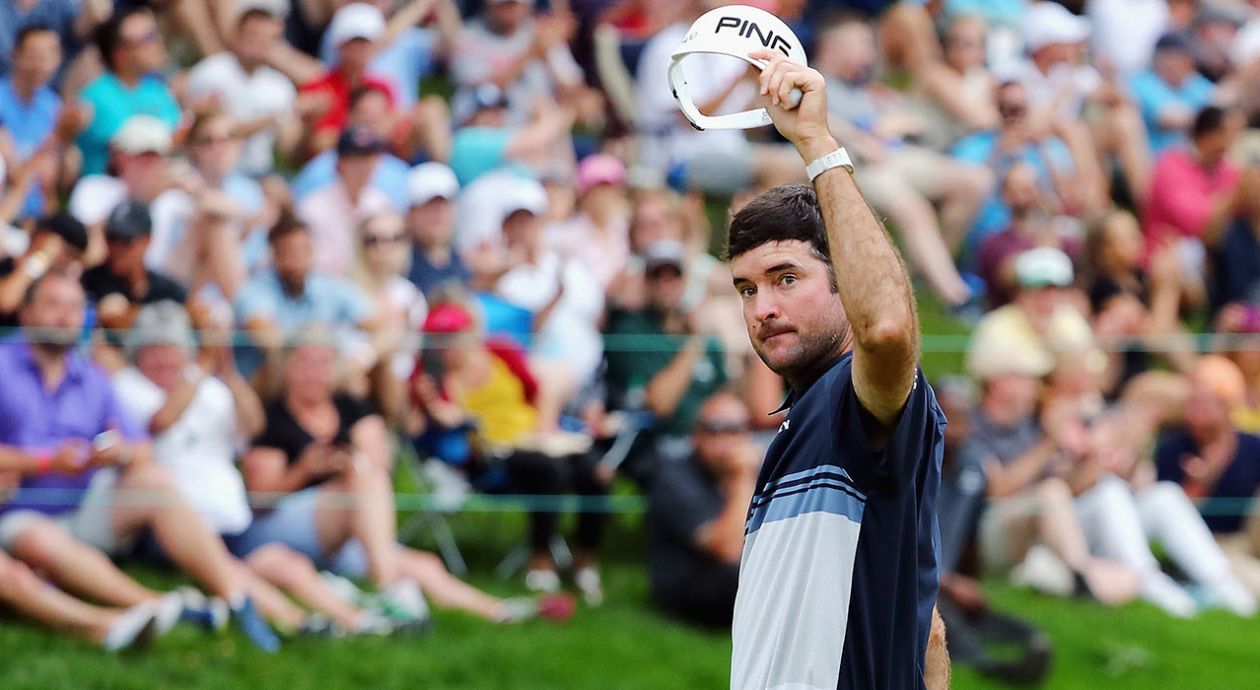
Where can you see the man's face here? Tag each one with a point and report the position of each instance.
(125, 255)
(1012, 105)
(293, 258)
(1039, 303)
(256, 39)
(665, 287)
(143, 173)
(1206, 413)
(355, 54)
(432, 223)
(506, 17)
(522, 229)
(55, 315)
(652, 221)
(141, 43)
(215, 149)
(373, 112)
(1174, 66)
(965, 45)
(162, 364)
(38, 58)
(1019, 189)
(721, 429)
(794, 319)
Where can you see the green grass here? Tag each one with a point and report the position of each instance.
(623, 644)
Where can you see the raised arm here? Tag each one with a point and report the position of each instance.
(874, 285)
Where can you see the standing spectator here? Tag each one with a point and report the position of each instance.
(355, 31)
(333, 211)
(464, 381)
(526, 56)
(132, 51)
(1192, 191)
(31, 112)
(56, 407)
(263, 101)
(431, 192)
(696, 511)
(1210, 458)
(598, 237)
(1170, 92)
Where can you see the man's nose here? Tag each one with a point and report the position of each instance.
(765, 306)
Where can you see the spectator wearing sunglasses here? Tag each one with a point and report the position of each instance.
(696, 511)
(132, 51)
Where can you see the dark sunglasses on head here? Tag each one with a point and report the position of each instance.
(721, 426)
(373, 240)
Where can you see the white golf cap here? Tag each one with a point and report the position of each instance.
(276, 8)
(1043, 267)
(356, 20)
(142, 134)
(736, 31)
(429, 181)
(522, 194)
(1049, 23)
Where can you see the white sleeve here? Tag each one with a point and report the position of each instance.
(138, 396)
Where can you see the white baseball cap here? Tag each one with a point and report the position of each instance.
(429, 181)
(356, 20)
(736, 31)
(276, 8)
(1049, 23)
(522, 194)
(142, 134)
(1043, 267)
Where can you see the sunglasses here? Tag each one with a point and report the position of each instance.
(721, 426)
(208, 140)
(374, 240)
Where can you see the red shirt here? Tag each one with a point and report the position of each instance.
(335, 83)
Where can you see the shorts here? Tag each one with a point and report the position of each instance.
(292, 523)
(91, 523)
(1007, 530)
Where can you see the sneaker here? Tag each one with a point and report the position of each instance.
(373, 623)
(1162, 591)
(319, 625)
(403, 604)
(135, 628)
(211, 613)
(167, 611)
(1043, 571)
(343, 587)
(254, 627)
(542, 580)
(1232, 596)
(589, 584)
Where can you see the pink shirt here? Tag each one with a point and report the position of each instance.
(603, 255)
(334, 222)
(1182, 190)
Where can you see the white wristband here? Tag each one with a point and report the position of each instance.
(836, 159)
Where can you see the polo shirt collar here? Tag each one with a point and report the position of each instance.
(76, 365)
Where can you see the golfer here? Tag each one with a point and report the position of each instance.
(838, 578)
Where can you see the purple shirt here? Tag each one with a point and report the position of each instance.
(33, 419)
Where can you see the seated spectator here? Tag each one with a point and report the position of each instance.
(113, 628)
(1233, 251)
(292, 294)
(1041, 321)
(1211, 459)
(1013, 142)
(198, 416)
(355, 31)
(526, 56)
(132, 51)
(57, 243)
(335, 209)
(408, 53)
(328, 458)
(261, 100)
(1031, 513)
(72, 22)
(598, 236)
(976, 629)
(431, 193)
(369, 110)
(696, 512)
(955, 95)
(124, 283)
(32, 114)
(487, 139)
(683, 367)
(897, 177)
(63, 429)
(1239, 324)
(1031, 226)
(1170, 93)
(465, 382)
(1192, 191)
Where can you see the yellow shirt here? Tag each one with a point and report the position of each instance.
(503, 414)
(1247, 419)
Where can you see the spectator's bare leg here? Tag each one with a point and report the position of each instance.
(195, 20)
(361, 505)
(556, 386)
(295, 574)
(1061, 530)
(915, 220)
(431, 128)
(443, 588)
(966, 187)
(183, 535)
(30, 596)
(77, 567)
(1123, 133)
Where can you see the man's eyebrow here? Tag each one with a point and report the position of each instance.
(784, 266)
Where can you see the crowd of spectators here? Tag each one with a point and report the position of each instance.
(250, 247)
